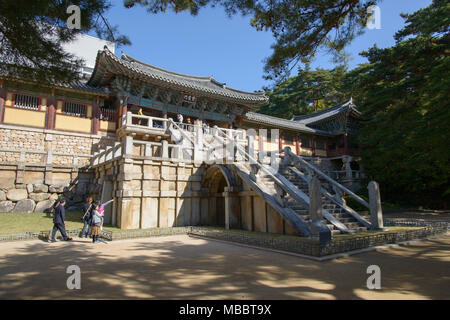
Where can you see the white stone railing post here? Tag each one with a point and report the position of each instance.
(128, 145)
(165, 149)
(117, 150)
(148, 150)
(129, 118)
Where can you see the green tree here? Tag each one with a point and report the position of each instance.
(299, 27)
(32, 33)
(404, 95)
(296, 95)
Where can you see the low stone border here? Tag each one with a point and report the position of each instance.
(299, 245)
(144, 233)
(43, 235)
(339, 246)
(312, 247)
(415, 222)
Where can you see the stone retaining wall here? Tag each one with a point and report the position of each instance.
(36, 188)
(30, 140)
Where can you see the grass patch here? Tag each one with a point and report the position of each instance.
(36, 222)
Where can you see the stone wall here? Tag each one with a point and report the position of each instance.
(36, 143)
(36, 188)
(150, 194)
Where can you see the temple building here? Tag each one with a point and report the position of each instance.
(118, 136)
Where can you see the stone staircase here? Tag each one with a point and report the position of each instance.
(287, 191)
(331, 207)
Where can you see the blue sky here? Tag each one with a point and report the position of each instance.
(229, 49)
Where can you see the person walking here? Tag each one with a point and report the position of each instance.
(59, 221)
(87, 217)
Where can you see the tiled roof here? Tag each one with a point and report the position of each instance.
(328, 113)
(78, 85)
(283, 123)
(75, 85)
(201, 85)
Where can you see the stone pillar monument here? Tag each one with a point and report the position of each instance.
(376, 212)
(318, 228)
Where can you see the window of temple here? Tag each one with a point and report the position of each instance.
(107, 113)
(288, 140)
(75, 109)
(340, 142)
(332, 145)
(306, 143)
(23, 101)
(320, 144)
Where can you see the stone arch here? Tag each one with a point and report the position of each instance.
(223, 202)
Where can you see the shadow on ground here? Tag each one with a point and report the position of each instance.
(179, 267)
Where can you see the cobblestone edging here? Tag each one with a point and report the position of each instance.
(43, 235)
(313, 248)
(131, 234)
(415, 222)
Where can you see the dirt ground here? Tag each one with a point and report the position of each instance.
(181, 267)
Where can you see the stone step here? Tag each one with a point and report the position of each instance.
(298, 209)
(352, 225)
(347, 220)
(340, 216)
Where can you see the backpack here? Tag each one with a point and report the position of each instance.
(96, 220)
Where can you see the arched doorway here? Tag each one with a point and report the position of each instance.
(218, 181)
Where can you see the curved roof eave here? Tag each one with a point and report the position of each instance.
(283, 123)
(202, 85)
(329, 113)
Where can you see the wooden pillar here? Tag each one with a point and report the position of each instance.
(2, 101)
(95, 119)
(51, 112)
(297, 145)
(123, 110)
